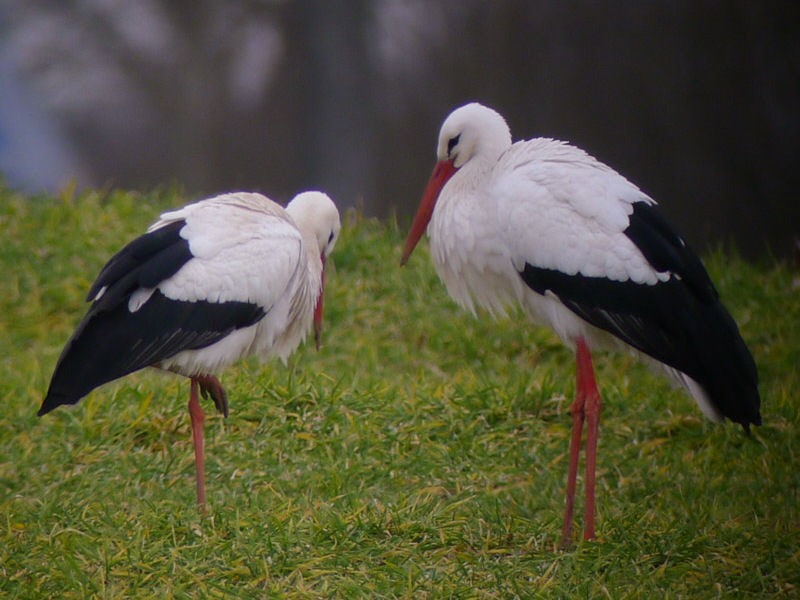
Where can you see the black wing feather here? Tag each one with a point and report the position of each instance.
(112, 343)
(665, 250)
(144, 262)
(679, 322)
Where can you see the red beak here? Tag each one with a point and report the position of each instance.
(441, 173)
(318, 307)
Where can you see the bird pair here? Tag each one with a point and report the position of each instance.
(538, 223)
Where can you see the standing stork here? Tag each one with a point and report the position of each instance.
(581, 249)
(213, 282)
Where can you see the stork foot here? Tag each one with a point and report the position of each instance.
(212, 389)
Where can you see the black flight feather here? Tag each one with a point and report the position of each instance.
(679, 322)
(113, 343)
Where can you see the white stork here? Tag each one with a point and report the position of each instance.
(581, 249)
(213, 282)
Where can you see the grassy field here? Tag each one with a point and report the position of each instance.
(421, 453)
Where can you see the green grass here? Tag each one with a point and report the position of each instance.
(421, 453)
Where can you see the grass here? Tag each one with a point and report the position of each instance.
(420, 453)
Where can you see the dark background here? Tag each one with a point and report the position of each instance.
(697, 102)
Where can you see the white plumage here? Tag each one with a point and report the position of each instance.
(540, 202)
(264, 261)
(213, 282)
(543, 225)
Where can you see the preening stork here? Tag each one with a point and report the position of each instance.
(543, 224)
(213, 282)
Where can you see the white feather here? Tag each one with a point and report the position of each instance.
(247, 248)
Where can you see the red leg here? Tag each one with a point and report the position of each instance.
(574, 452)
(198, 417)
(592, 411)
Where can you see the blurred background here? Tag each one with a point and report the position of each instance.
(695, 101)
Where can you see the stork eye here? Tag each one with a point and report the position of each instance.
(330, 238)
(452, 143)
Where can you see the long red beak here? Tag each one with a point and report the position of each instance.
(318, 307)
(441, 173)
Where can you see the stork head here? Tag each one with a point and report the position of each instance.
(316, 216)
(317, 219)
(472, 133)
(472, 130)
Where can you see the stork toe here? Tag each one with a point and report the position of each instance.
(212, 389)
